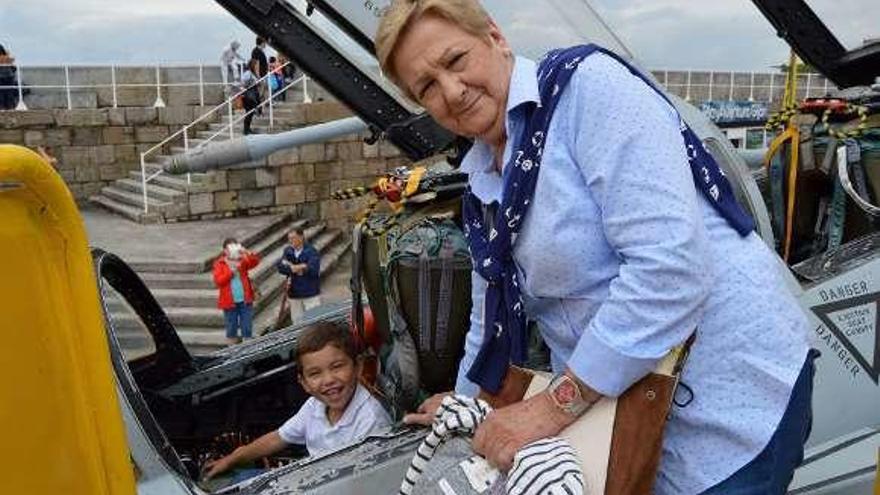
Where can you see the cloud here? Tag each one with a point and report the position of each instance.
(673, 34)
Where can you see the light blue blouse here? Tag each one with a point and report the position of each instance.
(620, 258)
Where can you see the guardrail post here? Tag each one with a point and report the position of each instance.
(825, 88)
(687, 94)
(67, 86)
(160, 103)
(144, 182)
(772, 80)
(711, 82)
(271, 98)
(113, 83)
(809, 84)
(306, 97)
(201, 85)
(752, 86)
(185, 149)
(21, 105)
(730, 95)
(231, 131)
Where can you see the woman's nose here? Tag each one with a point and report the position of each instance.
(454, 92)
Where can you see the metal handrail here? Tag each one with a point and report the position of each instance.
(228, 104)
(113, 85)
(242, 116)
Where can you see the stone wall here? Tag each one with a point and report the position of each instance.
(301, 179)
(94, 147)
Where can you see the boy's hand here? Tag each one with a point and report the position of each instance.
(218, 466)
(424, 415)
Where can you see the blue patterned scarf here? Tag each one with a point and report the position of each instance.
(504, 336)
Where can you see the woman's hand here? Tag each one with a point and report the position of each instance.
(218, 466)
(424, 415)
(505, 431)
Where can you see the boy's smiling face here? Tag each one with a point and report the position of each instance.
(330, 376)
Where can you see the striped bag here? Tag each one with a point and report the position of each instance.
(445, 464)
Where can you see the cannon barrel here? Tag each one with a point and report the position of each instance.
(234, 152)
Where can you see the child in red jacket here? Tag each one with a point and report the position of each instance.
(236, 297)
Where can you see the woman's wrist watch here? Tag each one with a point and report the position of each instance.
(566, 394)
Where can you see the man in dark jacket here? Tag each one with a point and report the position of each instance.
(302, 263)
(259, 53)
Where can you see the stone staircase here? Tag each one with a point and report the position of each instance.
(168, 196)
(186, 291)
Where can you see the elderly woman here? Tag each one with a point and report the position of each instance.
(595, 211)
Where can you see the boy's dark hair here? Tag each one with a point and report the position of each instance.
(319, 335)
(228, 241)
(298, 231)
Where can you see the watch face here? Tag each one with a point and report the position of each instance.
(566, 392)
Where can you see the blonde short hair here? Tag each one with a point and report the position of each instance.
(469, 15)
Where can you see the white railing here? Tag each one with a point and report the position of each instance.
(229, 107)
(67, 87)
(809, 85)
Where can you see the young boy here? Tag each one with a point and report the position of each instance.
(339, 412)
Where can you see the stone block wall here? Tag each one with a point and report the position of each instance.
(300, 180)
(94, 146)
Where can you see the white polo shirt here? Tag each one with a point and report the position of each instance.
(310, 426)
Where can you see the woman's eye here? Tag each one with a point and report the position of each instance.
(455, 61)
(425, 89)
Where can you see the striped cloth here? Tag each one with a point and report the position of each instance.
(546, 466)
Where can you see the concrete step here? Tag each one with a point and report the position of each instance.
(259, 241)
(180, 317)
(153, 190)
(165, 275)
(184, 281)
(134, 213)
(133, 199)
(206, 297)
(165, 180)
(201, 329)
(208, 316)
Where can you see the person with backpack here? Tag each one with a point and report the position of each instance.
(251, 97)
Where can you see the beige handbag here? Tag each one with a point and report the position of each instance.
(619, 440)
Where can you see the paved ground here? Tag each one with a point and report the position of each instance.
(185, 241)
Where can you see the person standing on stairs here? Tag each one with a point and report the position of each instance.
(301, 262)
(251, 96)
(259, 54)
(236, 297)
(229, 62)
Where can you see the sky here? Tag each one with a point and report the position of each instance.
(662, 34)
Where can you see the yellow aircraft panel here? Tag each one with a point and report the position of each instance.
(62, 426)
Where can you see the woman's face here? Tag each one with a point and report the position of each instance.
(460, 79)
